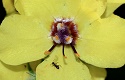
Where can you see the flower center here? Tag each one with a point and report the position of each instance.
(64, 32)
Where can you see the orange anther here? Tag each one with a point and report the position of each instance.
(56, 37)
(77, 54)
(64, 56)
(62, 25)
(47, 52)
(68, 38)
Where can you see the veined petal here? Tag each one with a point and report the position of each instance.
(23, 39)
(96, 72)
(69, 68)
(8, 72)
(103, 43)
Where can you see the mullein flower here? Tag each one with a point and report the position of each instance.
(80, 67)
(28, 39)
(66, 31)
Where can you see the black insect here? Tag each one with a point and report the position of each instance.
(55, 65)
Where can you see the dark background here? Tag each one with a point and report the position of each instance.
(112, 74)
(2, 12)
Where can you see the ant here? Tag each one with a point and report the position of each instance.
(55, 64)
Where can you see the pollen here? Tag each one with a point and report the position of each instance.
(64, 32)
(56, 37)
(68, 38)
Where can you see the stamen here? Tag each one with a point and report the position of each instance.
(68, 38)
(63, 51)
(60, 26)
(56, 39)
(64, 32)
(48, 52)
(74, 50)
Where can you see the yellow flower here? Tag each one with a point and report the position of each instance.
(82, 70)
(90, 38)
(27, 35)
(25, 38)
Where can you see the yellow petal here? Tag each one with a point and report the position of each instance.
(89, 13)
(116, 1)
(101, 6)
(97, 73)
(63, 8)
(84, 19)
(69, 68)
(47, 11)
(50, 8)
(97, 6)
(103, 43)
(34, 64)
(111, 7)
(8, 72)
(9, 6)
(23, 39)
